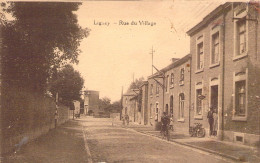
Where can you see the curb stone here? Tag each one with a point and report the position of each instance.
(237, 159)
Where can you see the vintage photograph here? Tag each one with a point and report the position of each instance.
(140, 81)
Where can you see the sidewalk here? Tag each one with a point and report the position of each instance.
(225, 149)
(63, 144)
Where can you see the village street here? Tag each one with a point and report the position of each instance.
(89, 139)
(107, 143)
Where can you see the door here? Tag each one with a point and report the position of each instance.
(214, 104)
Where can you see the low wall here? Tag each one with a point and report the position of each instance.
(25, 116)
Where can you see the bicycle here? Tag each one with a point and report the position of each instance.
(165, 132)
(197, 130)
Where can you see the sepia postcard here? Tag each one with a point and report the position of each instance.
(104, 81)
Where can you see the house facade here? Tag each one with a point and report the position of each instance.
(225, 71)
(144, 103)
(155, 98)
(91, 102)
(131, 105)
(177, 93)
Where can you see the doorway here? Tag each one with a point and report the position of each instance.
(214, 104)
(166, 109)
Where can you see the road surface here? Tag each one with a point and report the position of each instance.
(107, 143)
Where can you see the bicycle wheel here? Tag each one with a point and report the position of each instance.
(201, 132)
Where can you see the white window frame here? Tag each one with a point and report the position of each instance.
(240, 16)
(181, 82)
(214, 30)
(197, 87)
(200, 39)
(237, 78)
(172, 83)
(181, 119)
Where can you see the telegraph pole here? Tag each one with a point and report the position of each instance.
(152, 58)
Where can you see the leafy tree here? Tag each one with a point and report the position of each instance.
(41, 38)
(105, 103)
(115, 107)
(136, 84)
(68, 83)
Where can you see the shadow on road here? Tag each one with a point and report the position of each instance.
(64, 144)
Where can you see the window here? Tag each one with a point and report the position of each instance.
(172, 79)
(198, 102)
(240, 98)
(151, 108)
(215, 49)
(240, 95)
(151, 91)
(182, 76)
(126, 101)
(181, 106)
(241, 37)
(171, 106)
(157, 88)
(240, 32)
(157, 112)
(200, 56)
(166, 83)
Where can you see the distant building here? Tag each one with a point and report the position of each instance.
(131, 105)
(91, 102)
(76, 107)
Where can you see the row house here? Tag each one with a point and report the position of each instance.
(222, 71)
(225, 71)
(177, 93)
(168, 91)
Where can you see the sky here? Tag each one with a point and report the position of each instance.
(116, 53)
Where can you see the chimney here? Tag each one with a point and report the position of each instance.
(175, 59)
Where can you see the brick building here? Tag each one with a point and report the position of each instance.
(168, 91)
(144, 103)
(155, 98)
(91, 102)
(177, 93)
(225, 71)
(131, 105)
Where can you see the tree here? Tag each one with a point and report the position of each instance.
(41, 38)
(105, 103)
(68, 83)
(136, 84)
(115, 107)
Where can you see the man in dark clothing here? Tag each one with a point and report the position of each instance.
(165, 122)
(210, 120)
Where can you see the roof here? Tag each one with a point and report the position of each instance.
(144, 83)
(172, 65)
(207, 19)
(131, 92)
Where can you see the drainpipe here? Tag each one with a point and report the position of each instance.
(163, 89)
(190, 91)
(223, 76)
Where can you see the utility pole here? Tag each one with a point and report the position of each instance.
(152, 58)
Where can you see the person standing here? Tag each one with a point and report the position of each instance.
(215, 125)
(210, 120)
